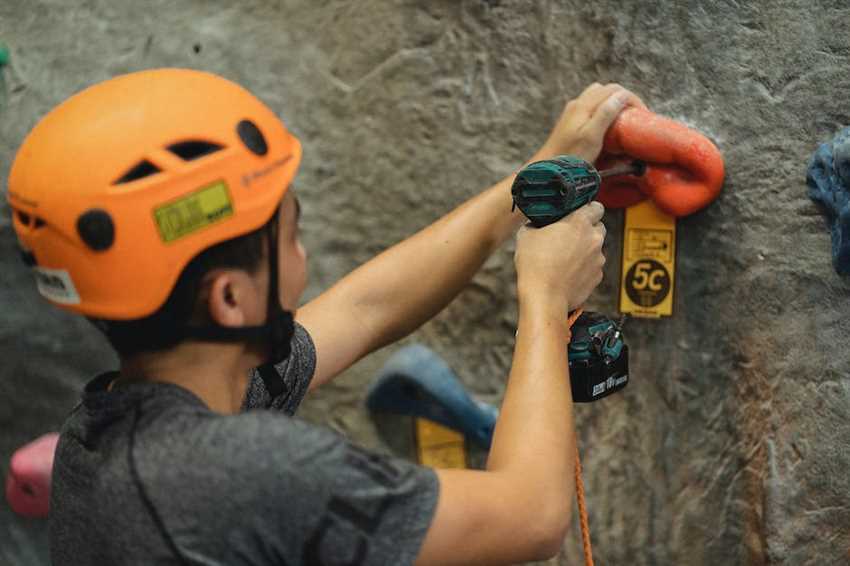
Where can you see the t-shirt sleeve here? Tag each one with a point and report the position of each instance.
(296, 371)
(373, 508)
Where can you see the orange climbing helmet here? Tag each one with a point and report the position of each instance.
(119, 187)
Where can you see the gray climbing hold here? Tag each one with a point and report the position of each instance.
(416, 382)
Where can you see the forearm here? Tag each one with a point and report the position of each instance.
(534, 437)
(519, 508)
(405, 286)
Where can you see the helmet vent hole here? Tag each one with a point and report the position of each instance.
(140, 170)
(96, 229)
(193, 149)
(39, 223)
(252, 137)
(23, 217)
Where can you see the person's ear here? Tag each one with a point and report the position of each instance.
(230, 301)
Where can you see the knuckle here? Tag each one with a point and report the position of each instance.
(611, 109)
(592, 87)
(585, 135)
(584, 144)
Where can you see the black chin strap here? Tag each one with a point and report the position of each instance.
(277, 331)
(280, 323)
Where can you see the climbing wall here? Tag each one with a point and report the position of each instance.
(731, 445)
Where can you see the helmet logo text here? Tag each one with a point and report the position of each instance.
(249, 178)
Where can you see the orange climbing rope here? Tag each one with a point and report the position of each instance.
(582, 513)
(582, 508)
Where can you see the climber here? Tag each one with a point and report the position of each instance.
(160, 205)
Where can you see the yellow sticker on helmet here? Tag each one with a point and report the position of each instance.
(191, 213)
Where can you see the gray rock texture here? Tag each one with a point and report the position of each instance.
(732, 443)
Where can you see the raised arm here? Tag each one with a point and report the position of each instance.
(396, 292)
(519, 509)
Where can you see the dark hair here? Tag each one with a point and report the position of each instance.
(163, 329)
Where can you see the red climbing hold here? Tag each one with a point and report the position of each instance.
(684, 170)
(28, 482)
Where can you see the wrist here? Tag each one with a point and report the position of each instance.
(545, 152)
(537, 318)
(542, 303)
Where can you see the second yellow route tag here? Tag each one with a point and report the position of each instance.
(648, 274)
(438, 446)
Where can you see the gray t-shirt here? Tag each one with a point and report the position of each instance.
(147, 474)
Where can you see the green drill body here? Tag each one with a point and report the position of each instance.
(546, 191)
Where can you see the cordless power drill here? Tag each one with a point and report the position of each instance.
(546, 191)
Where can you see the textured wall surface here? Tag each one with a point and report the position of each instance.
(732, 443)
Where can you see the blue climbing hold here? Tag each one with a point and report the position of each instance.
(416, 382)
(828, 179)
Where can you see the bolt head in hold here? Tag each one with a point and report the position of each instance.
(96, 229)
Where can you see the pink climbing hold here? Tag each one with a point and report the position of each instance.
(28, 482)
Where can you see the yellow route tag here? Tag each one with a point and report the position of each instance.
(438, 446)
(189, 214)
(648, 272)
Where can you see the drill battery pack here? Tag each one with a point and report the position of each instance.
(598, 358)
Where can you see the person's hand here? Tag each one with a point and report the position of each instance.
(561, 264)
(584, 121)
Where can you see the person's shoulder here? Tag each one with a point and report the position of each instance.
(195, 444)
(301, 487)
(280, 437)
(235, 464)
